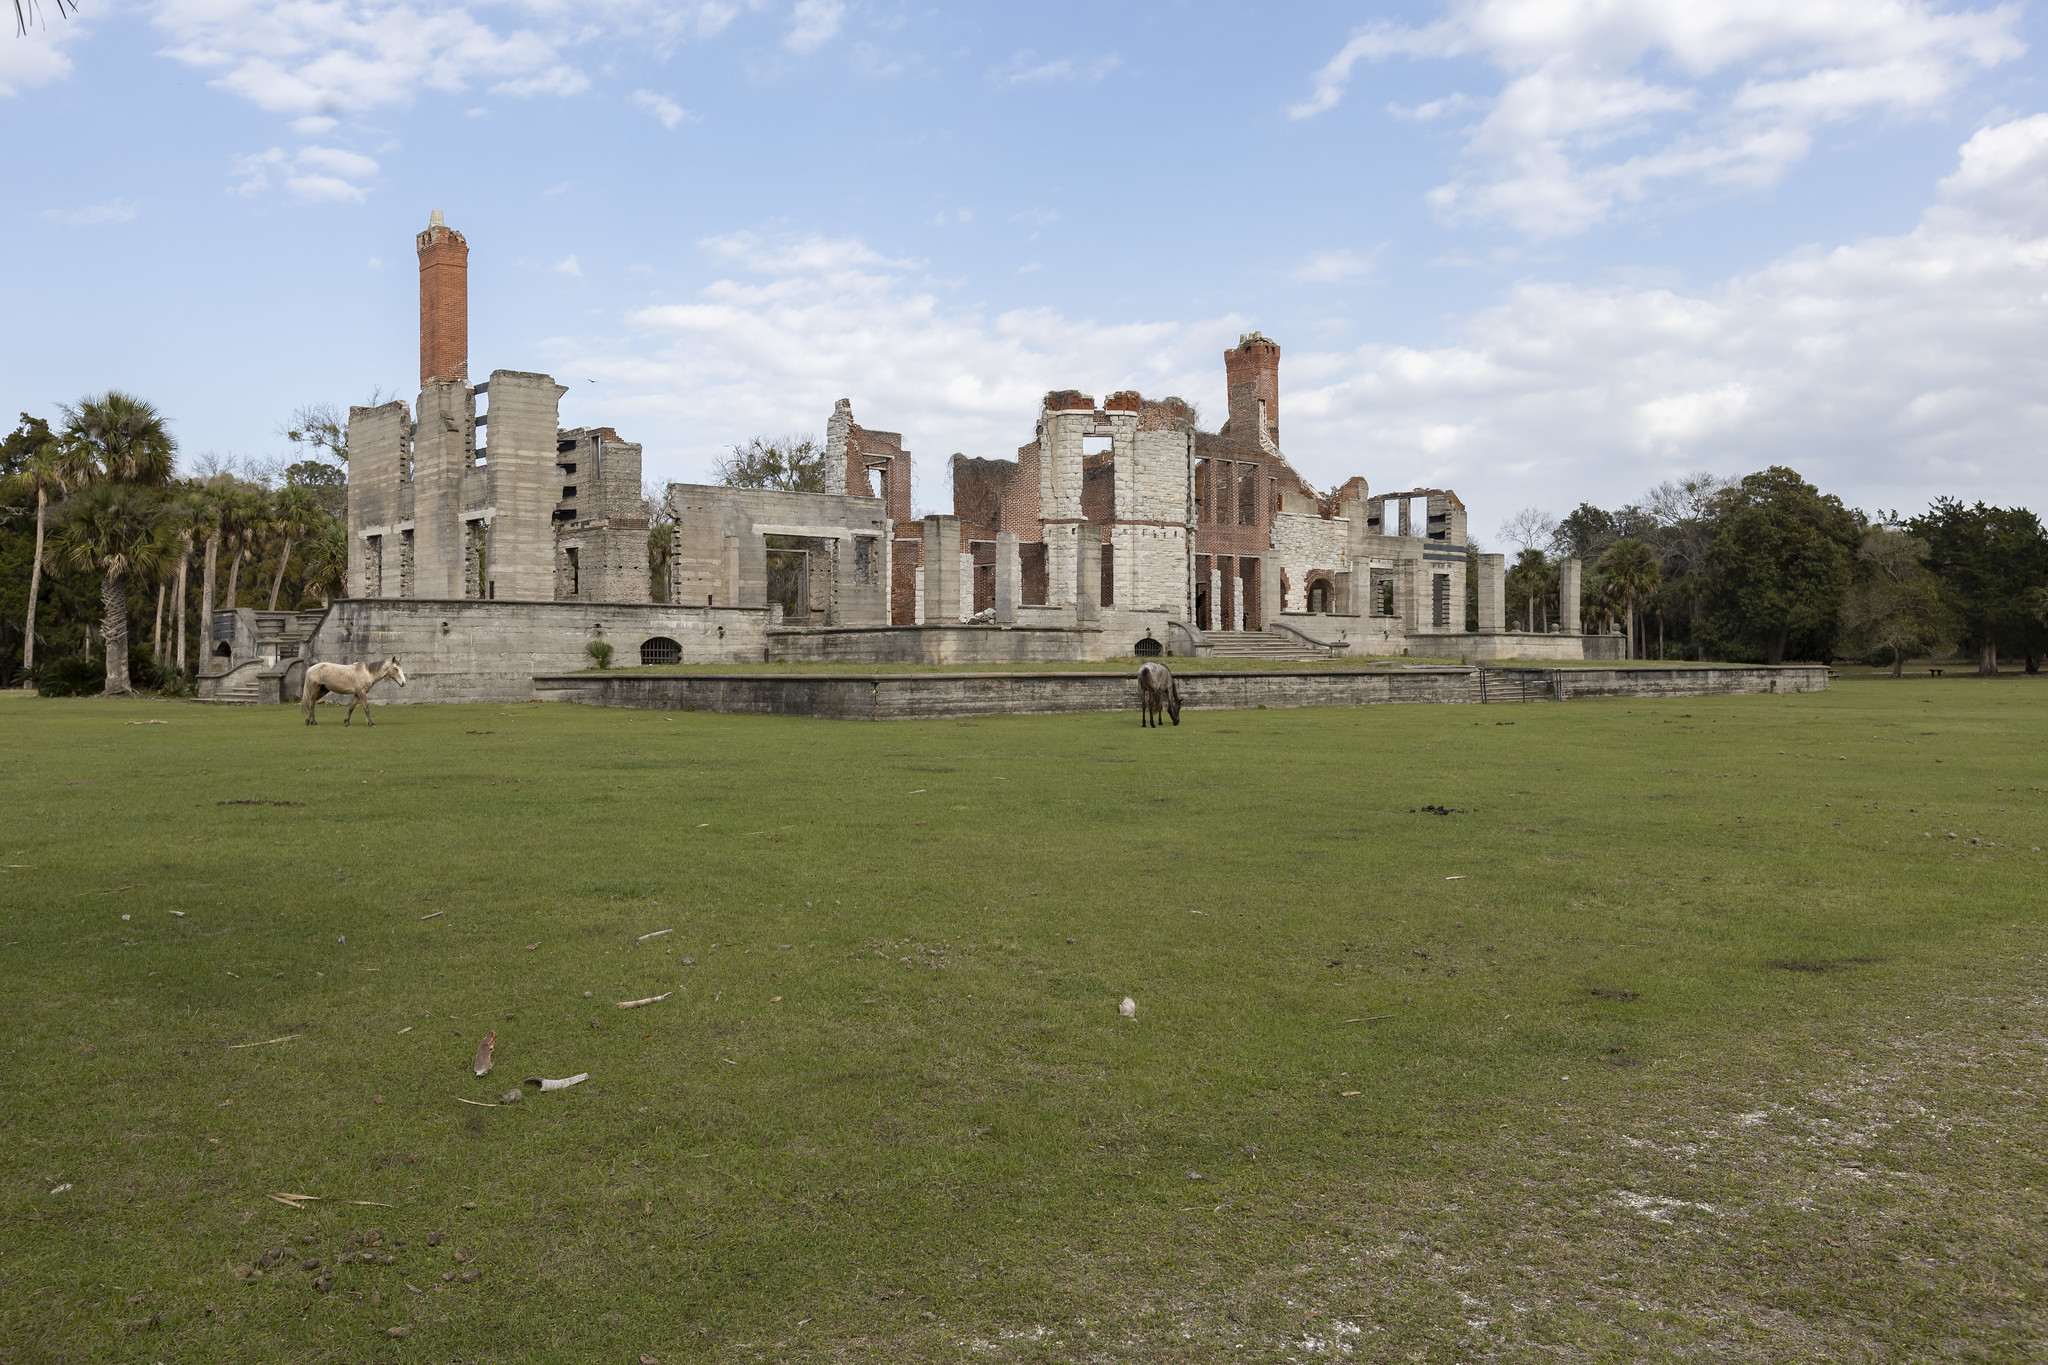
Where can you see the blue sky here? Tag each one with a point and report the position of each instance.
(1541, 251)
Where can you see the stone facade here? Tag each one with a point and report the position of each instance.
(484, 495)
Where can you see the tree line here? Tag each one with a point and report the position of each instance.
(98, 532)
(1767, 567)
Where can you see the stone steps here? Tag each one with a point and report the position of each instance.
(1260, 644)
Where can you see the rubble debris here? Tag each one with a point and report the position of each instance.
(546, 1085)
(652, 999)
(1128, 1009)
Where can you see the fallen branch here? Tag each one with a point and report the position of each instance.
(636, 1004)
(112, 889)
(656, 934)
(266, 1043)
(481, 1104)
(436, 913)
(1369, 1018)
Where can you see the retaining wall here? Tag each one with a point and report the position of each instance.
(940, 696)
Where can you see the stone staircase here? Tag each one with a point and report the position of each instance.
(241, 692)
(1260, 644)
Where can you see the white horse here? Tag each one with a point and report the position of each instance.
(354, 680)
(1157, 691)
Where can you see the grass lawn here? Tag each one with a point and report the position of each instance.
(1689, 1032)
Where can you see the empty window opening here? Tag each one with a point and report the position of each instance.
(1440, 599)
(1037, 578)
(660, 650)
(1096, 445)
(864, 560)
(568, 490)
(1380, 591)
(984, 554)
(1109, 575)
(1248, 495)
(568, 470)
(575, 558)
(1248, 590)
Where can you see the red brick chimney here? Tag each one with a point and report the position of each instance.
(1252, 373)
(444, 303)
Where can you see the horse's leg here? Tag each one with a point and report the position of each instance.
(308, 695)
(365, 695)
(350, 714)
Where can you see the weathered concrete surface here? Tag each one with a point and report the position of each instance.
(939, 696)
(938, 644)
(466, 650)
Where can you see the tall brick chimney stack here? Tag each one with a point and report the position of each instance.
(1252, 373)
(444, 303)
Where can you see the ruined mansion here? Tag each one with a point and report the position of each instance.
(488, 543)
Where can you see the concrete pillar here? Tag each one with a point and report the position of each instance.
(966, 584)
(1009, 577)
(1270, 605)
(1344, 590)
(1088, 575)
(941, 569)
(1493, 594)
(1568, 595)
(526, 484)
(1216, 621)
(731, 596)
(1405, 530)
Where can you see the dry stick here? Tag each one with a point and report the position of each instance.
(478, 1103)
(656, 934)
(266, 1043)
(111, 890)
(1367, 1019)
(636, 1004)
(437, 912)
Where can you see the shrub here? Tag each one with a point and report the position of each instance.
(71, 677)
(600, 651)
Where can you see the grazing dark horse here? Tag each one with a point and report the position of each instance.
(1157, 691)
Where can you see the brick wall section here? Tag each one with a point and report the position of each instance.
(444, 304)
(1251, 373)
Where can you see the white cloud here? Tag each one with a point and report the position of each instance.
(1330, 267)
(567, 266)
(661, 107)
(113, 211)
(806, 320)
(314, 174)
(1888, 370)
(1026, 69)
(328, 58)
(813, 23)
(1605, 106)
(37, 57)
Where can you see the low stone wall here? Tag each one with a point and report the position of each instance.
(467, 650)
(1523, 644)
(936, 644)
(940, 696)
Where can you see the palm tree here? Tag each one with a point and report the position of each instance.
(57, 469)
(123, 437)
(185, 517)
(242, 526)
(326, 561)
(116, 529)
(295, 515)
(1630, 570)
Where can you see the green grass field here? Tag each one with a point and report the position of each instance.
(1690, 1032)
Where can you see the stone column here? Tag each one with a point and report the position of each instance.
(1344, 591)
(1088, 575)
(941, 569)
(1493, 594)
(1568, 595)
(732, 572)
(1216, 621)
(1009, 577)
